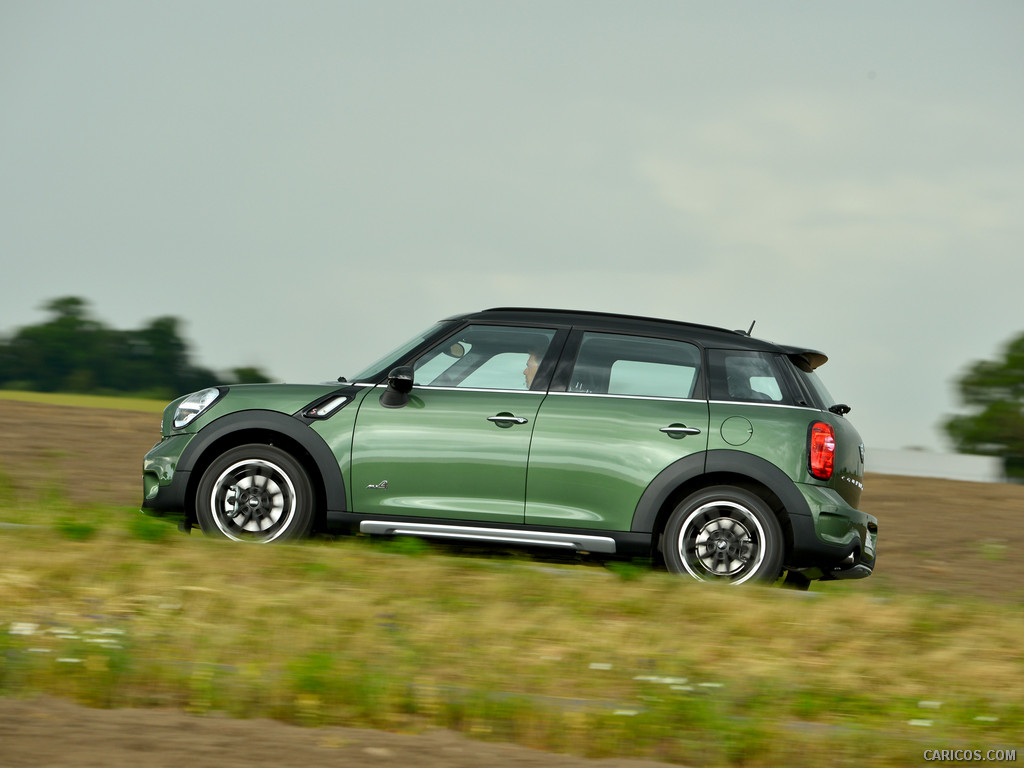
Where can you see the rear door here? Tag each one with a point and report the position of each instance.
(632, 405)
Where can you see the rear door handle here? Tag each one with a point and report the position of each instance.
(678, 431)
(507, 419)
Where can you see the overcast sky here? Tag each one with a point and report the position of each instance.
(309, 183)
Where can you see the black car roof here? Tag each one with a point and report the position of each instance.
(706, 335)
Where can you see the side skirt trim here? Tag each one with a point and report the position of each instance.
(579, 542)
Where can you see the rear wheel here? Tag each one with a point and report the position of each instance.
(255, 493)
(723, 534)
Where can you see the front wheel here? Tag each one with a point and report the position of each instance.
(255, 493)
(723, 534)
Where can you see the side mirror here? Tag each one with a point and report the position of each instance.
(399, 386)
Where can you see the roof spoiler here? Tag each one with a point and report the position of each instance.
(806, 359)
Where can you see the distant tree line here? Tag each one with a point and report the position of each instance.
(73, 352)
(993, 392)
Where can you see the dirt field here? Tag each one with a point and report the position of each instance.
(934, 536)
(54, 733)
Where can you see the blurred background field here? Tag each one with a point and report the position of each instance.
(110, 402)
(112, 609)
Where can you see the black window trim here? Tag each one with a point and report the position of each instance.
(805, 397)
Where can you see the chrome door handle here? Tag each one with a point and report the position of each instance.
(507, 419)
(679, 431)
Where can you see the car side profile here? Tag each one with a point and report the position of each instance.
(717, 453)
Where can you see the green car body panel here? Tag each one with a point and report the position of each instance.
(441, 457)
(160, 465)
(594, 456)
(556, 460)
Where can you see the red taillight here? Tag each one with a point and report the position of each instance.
(822, 450)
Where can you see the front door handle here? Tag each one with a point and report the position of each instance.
(507, 419)
(679, 431)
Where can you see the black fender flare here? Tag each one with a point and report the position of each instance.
(713, 462)
(271, 421)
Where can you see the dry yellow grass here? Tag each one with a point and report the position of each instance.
(347, 632)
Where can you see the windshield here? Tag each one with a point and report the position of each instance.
(384, 364)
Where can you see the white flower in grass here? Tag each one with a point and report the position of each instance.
(662, 680)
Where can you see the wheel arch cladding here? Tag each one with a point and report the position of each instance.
(273, 428)
(692, 473)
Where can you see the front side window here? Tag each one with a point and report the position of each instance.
(486, 357)
(617, 364)
(746, 376)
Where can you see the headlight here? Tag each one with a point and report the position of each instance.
(193, 405)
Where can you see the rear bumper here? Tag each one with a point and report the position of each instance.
(834, 538)
(858, 571)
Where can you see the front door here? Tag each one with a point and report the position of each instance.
(459, 448)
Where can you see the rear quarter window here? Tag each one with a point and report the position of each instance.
(744, 376)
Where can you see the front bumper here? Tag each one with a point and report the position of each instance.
(163, 484)
(834, 538)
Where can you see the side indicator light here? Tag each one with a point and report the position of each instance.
(324, 410)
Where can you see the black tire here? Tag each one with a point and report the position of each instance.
(255, 493)
(723, 534)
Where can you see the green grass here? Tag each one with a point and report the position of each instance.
(111, 402)
(573, 658)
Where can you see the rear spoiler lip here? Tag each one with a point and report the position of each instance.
(806, 359)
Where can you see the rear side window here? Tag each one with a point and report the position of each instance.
(617, 364)
(753, 377)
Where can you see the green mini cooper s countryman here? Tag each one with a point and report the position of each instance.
(717, 453)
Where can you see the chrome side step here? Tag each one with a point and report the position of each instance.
(578, 542)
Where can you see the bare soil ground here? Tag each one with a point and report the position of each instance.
(56, 733)
(935, 536)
